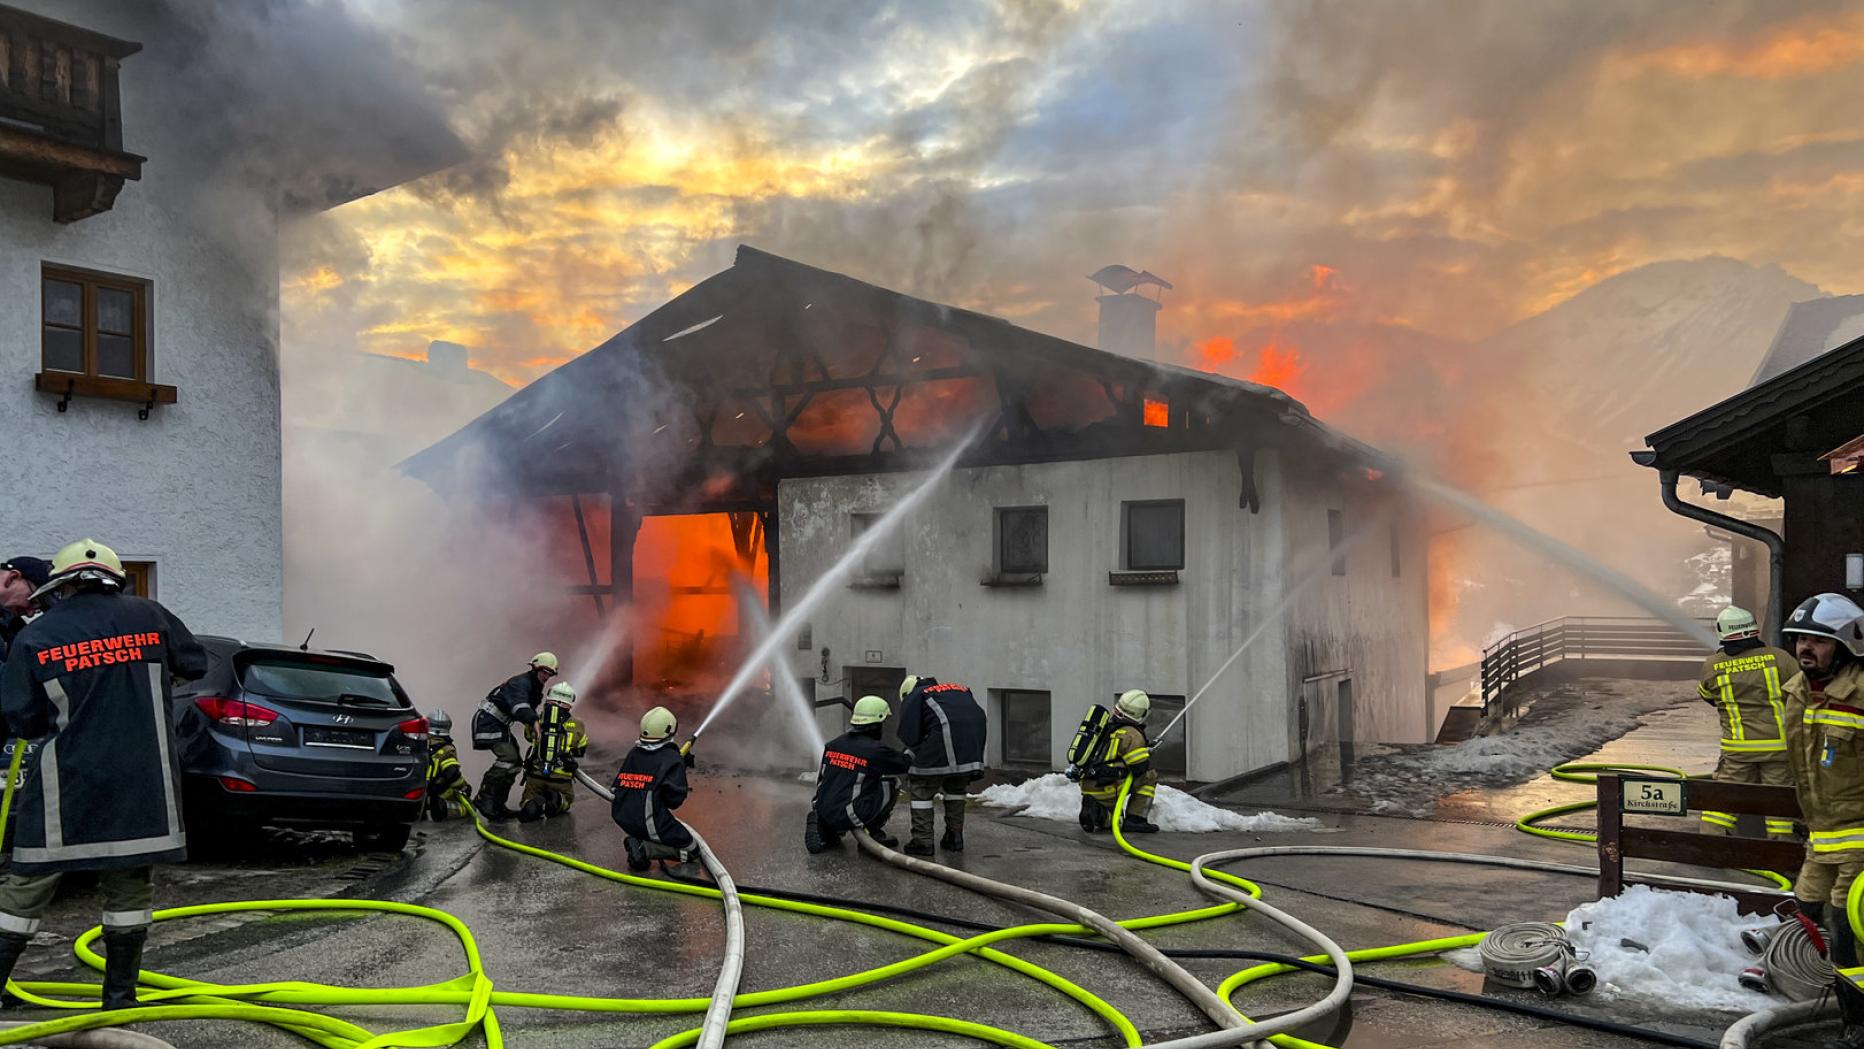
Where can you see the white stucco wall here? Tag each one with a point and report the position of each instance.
(1367, 626)
(1076, 637)
(195, 488)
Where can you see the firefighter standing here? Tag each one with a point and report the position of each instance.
(449, 796)
(945, 729)
(93, 677)
(20, 577)
(557, 740)
(650, 784)
(853, 789)
(1745, 680)
(515, 700)
(1825, 740)
(1125, 753)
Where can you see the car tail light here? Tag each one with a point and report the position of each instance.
(415, 793)
(238, 786)
(413, 728)
(236, 713)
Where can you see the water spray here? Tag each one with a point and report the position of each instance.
(824, 585)
(782, 684)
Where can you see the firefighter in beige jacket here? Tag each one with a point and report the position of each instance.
(1745, 681)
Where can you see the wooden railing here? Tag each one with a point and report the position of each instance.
(61, 79)
(1521, 654)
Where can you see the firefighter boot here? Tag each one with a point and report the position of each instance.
(1091, 816)
(813, 838)
(532, 811)
(953, 841)
(1851, 1008)
(886, 840)
(122, 966)
(12, 945)
(637, 855)
(1138, 825)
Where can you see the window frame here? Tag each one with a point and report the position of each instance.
(142, 578)
(89, 281)
(868, 575)
(1005, 699)
(1126, 535)
(1002, 533)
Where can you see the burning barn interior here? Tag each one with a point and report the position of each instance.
(1119, 523)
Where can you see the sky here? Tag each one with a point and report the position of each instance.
(1438, 169)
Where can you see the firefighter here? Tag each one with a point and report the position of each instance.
(854, 790)
(650, 784)
(1745, 680)
(449, 796)
(1825, 742)
(1127, 754)
(515, 700)
(20, 577)
(92, 677)
(557, 739)
(945, 729)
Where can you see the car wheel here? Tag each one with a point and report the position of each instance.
(391, 837)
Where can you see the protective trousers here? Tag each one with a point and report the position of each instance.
(1138, 803)
(496, 786)
(544, 798)
(923, 792)
(128, 896)
(1776, 772)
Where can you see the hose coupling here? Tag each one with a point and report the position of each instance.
(1757, 938)
(1580, 979)
(1754, 978)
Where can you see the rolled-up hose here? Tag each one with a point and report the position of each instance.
(1789, 962)
(1535, 955)
(108, 1038)
(717, 1022)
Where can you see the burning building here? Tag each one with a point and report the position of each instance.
(1119, 523)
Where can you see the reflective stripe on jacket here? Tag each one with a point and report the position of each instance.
(852, 784)
(443, 772)
(1126, 750)
(1825, 741)
(945, 729)
(554, 736)
(1747, 686)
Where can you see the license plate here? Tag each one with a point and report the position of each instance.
(348, 738)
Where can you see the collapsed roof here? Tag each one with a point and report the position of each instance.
(775, 369)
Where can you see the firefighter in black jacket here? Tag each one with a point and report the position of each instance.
(20, 578)
(945, 729)
(650, 784)
(448, 793)
(515, 700)
(92, 676)
(853, 791)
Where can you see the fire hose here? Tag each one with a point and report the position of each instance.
(1788, 961)
(106, 1039)
(731, 970)
(1536, 956)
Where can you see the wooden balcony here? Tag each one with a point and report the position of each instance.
(60, 114)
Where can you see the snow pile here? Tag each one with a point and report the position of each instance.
(1565, 724)
(1695, 950)
(1052, 797)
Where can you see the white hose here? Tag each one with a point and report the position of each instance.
(731, 970)
(1789, 962)
(1747, 1031)
(1536, 956)
(103, 1038)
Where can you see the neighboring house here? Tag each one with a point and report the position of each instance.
(1120, 523)
(139, 298)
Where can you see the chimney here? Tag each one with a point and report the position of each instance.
(1128, 319)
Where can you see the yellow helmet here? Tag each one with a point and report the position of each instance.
(869, 710)
(84, 559)
(658, 725)
(547, 660)
(910, 682)
(1134, 705)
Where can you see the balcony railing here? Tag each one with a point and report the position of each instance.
(1521, 654)
(61, 118)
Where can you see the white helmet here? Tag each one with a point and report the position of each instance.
(561, 692)
(1134, 705)
(1830, 615)
(1734, 624)
(907, 684)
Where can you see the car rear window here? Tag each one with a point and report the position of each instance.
(322, 682)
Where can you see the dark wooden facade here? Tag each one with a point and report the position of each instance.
(61, 120)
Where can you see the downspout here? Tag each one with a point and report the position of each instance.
(1776, 546)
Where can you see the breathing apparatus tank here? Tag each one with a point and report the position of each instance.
(1090, 739)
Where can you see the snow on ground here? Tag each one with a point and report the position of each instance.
(1565, 723)
(1695, 950)
(1053, 797)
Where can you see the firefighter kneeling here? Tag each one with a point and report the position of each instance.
(449, 796)
(649, 786)
(853, 788)
(1124, 752)
(557, 740)
(1825, 737)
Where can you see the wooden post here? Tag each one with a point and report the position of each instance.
(1611, 854)
(770, 561)
(624, 524)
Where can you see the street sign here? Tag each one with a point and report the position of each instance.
(1654, 797)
